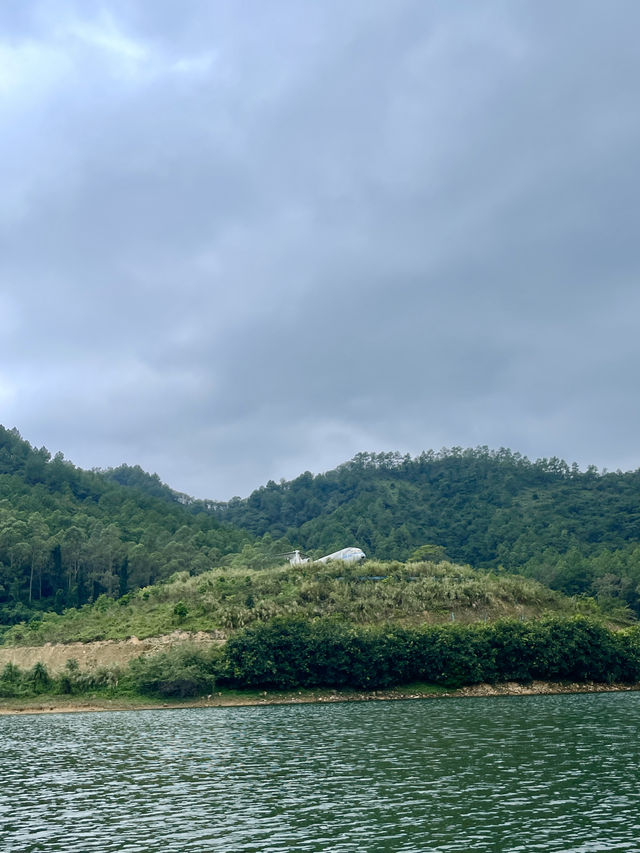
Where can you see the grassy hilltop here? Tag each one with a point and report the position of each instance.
(369, 594)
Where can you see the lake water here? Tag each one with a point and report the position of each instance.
(498, 774)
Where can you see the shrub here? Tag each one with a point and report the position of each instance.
(183, 670)
(284, 654)
(11, 681)
(37, 679)
(74, 680)
(276, 654)
(180, 611)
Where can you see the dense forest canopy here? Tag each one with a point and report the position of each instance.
(68, 535)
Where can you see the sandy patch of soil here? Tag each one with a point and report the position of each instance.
(101, 652)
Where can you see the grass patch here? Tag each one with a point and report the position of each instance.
(374, 593)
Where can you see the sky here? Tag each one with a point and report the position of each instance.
(241, 240)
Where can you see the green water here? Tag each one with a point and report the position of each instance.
(498, 774)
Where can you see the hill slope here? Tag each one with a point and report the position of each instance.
(68, 535)
(578, 531)
(225, 600)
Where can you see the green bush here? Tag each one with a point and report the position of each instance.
(184, 670)
(292, 653)
(11, 681)
(180, 611)
(284, 654)
(276, 654)
(74, 680)
(37, 679)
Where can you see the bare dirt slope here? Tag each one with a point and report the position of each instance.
(100, 653)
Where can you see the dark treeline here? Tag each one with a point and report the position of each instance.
(68, 535)
(286, 654)
(577, 531)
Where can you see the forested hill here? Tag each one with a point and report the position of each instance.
(578, 531)
(69, 535)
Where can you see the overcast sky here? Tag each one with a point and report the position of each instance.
(244, 239)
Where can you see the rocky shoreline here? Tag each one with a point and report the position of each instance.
(65, 705)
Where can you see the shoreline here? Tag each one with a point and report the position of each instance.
(236, 699)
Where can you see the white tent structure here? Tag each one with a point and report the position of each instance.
(348, 555)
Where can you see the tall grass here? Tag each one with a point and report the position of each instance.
(373, 593)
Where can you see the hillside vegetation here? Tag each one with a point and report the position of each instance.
(577, 531)
(372, 594)
(286, 654)
(70, 537)
(67, 535)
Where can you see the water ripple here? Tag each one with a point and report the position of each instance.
(548, 773)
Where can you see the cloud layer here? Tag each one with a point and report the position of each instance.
(238, 241)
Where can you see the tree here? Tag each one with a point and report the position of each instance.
(428, 554)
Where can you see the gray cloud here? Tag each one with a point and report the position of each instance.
(243, 241)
